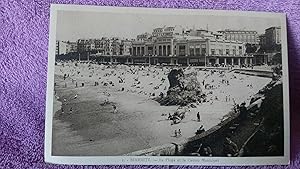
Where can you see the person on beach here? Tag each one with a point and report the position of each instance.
(179, 132)
(161, 95)
(200, 130)
(170, 116)
(198, 116)
(114, 109)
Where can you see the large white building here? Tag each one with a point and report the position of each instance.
(171, 45)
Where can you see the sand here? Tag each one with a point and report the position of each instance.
(92, 128)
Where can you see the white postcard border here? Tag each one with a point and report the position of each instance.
(161, 160)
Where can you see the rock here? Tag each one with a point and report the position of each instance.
(184, 89)
(175, 78)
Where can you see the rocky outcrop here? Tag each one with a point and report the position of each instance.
(184, 89)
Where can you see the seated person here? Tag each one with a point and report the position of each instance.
(230, 149)
(200, 130)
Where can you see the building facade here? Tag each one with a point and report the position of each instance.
(246, 36)
(169, 45)
(191, 47)
(91, 45)
(65, 47)
(273, 37)
(262, 40)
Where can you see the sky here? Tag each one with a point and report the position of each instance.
(74, 25)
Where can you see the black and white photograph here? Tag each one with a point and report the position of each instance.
(179, 86)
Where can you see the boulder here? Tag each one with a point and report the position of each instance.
(183, 89)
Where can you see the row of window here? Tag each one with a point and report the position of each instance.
(227, 52)
(236, 37)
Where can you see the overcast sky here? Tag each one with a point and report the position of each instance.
(75, 25)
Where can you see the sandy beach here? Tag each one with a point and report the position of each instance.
(84, 124)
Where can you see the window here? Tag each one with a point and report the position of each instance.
(150, 50)
(213, 51)
(159, 50)
(142, 50)
(181, 50)
(192, 51)
(234, 52)
(168, 50)
(197, 50)
(227, 51)
(203, 49)
(134, 51)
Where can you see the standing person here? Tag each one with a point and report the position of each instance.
(243, 111)
(170, 116)
(179, 132)
(115, 108)
(198, 116)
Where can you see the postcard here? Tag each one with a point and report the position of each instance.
(166, 87)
